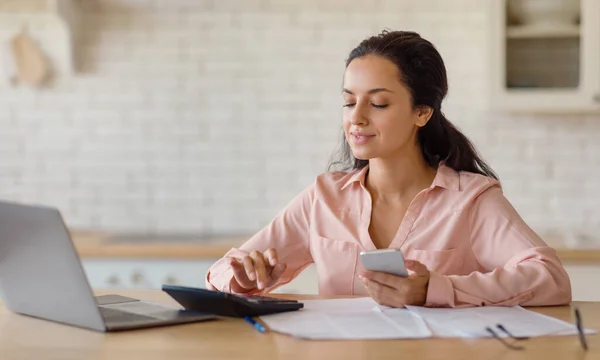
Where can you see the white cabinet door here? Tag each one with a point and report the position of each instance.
(584, 281)
(144, 274)
(522, 52)
(152, 274)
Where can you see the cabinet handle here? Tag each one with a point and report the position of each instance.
(113, 281)
(170, 280)
(137, 278)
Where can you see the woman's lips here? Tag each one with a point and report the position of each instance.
(360, 139)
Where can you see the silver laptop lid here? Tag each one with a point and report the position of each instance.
(40, 271)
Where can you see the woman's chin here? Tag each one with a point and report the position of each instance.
(362, 155)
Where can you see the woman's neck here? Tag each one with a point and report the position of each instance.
(399, 179)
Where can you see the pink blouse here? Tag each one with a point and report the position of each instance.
(477, 247)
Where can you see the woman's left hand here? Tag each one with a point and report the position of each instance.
(396, 291)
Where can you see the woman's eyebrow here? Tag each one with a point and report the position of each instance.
(372, 91)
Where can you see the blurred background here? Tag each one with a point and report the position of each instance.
(168, 131)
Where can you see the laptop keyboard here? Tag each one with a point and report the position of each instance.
(112, 315)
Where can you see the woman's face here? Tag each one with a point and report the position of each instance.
(379, 120)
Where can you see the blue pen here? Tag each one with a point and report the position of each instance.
(258, 326)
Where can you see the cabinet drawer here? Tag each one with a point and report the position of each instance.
(583, 281)
(153, 273)
(145, 274)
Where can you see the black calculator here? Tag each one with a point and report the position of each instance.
(225, 304)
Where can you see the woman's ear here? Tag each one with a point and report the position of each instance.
(424, 113)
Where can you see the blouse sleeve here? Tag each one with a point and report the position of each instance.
(287, 233)
(520, 269)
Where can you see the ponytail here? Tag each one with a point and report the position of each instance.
(441, 141)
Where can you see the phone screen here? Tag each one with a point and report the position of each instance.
(389, 261)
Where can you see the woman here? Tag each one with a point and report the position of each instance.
(416, 184)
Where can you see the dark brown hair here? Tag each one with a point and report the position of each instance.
(423, 72)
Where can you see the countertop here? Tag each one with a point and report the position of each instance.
(98, 244)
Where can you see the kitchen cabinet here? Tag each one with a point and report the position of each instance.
(584, 281)
(545, 60)
(123, 273)
(146, 261)
(106, 273)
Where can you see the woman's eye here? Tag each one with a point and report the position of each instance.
(349, 105)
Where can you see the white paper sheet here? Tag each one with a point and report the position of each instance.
(362, 318)
(347, 319)
(471, 322)
(340, 305)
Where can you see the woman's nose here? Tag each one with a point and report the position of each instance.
(358, 118)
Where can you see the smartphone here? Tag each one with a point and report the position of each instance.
(388, 261)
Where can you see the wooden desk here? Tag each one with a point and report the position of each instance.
(23, 337)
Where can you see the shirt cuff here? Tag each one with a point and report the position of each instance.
(220, 281)
(440, 292)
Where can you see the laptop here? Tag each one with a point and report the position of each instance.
(41, 276)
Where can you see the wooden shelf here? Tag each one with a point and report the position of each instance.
(542, 32)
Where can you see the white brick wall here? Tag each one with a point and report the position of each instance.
(210, 116)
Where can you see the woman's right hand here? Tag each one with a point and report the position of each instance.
(255, 271)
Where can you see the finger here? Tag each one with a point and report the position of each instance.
(259, 268)
(271, 256)
(416, 267)
(240, 275)
(389, 280)
(383, 295)
(249, 267)
(276, 273)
